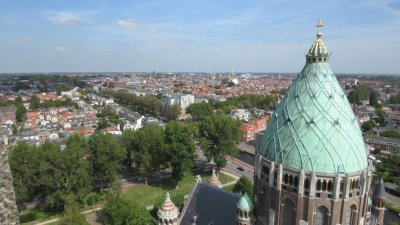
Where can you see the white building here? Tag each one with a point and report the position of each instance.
(183, 100)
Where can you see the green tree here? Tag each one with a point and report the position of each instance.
(380, 113)
(219, 136)
(63, 172)
(102, 123)
(124, 211)
(18, 100)
(200, 111)
(390, 133)
(106, 155)
(145, 148)
(34, 102)
(20, 112)
(243, 185)
(373, 98)
(72, 214)
(367, 126)
(180, 147)
(174, 112)
(14, 129)
(354, 97)
(23, 162)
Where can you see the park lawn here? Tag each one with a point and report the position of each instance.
(150, 193)
(229, 187)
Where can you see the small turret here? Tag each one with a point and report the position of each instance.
(168, 213)
(244, 214)
(213, 180)
(378, 203)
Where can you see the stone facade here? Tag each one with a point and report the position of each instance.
(287, 197)
(8, 207)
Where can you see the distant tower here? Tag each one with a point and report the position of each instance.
(244, 214)
(378, 203)
(168, 213)
(213, 180)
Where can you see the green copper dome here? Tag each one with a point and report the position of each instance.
(245, 202)
(314, 127)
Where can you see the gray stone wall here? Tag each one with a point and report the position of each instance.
(8, 207)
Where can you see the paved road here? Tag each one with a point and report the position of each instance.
(233, 165)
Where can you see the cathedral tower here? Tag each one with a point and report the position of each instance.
(312, 166)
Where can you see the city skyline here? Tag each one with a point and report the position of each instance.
(256, 36)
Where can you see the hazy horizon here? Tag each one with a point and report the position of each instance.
(155, 35)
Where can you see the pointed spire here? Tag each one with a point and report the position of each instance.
(168, 210)
(213, 180)
(379, 192)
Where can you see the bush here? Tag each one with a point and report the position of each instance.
(34, 214)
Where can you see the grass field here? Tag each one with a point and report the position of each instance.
(150, 193)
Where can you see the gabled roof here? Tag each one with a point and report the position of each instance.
(210, 205)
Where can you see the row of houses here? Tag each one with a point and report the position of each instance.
(251, 128)
(58, 122)
(388, 146)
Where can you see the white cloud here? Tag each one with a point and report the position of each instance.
(128, 23)
(62, 49)
(67, 19)
(71, 18)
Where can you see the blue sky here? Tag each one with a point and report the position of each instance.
(196, 35)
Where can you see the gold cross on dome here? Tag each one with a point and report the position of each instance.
(319, 26)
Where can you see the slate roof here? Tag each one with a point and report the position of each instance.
(209, 205)
(379, 192)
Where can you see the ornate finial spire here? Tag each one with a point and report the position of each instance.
(168, 213)
(319, 25)
(318, 52)
(213, 180)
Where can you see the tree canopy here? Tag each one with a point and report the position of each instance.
(145, 105)
(145, 148)
(174, 112)
(266, 102)
(243, 185)
(106, 156)
(219, 136)
(179, 147)
(124, 211)
(34, 102)
(199, 111)
(49, 172)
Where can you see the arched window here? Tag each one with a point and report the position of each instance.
(306, 184)
(291, 180)
(350, 215)
(288, 213)
(296, 181)
(330, 186)
(321, 217)
(285, 179)
(318, 185)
